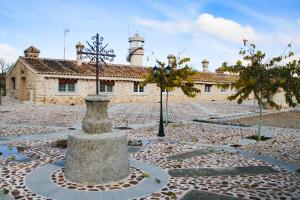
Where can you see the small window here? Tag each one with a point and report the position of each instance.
(71, 87)
(207, 88)
(223, 90)
(13, 81)
(137, 87)
(62, 87)
(107, 86)
(67, 85)
(102, 87)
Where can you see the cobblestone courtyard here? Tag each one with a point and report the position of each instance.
(189, 145)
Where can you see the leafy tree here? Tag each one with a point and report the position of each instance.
(180, 77)
(264, 78)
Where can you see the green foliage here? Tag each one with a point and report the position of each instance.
(264, 78)
(171, 194)
(157, 180)
(145, 175)
(178, 78)
(262, 138)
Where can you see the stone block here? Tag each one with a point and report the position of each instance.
(97, 158)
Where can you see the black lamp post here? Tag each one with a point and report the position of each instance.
(159, 72)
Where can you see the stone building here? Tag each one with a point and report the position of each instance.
(58, 81)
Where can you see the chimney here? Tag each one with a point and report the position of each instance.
(219, 70)
(205, 65)
(136, 50)
(79, 48)
(171, 60)
(31, 52)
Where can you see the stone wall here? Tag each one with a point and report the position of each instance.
(42, 89)
(47, 92)
(24, 82)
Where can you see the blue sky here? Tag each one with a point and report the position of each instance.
(208, 29)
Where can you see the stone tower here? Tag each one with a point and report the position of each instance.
(79, 48)
(136, 50)
(205, 65)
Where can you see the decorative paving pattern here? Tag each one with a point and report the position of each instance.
(221, 171)
(143, 119)
(202, 195)
(196, 132)
(39, 181)
(285, 146)
(191, 154)
(134, 178)
(269, 186)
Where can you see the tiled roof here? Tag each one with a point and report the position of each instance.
(215, 77)
(69, 67)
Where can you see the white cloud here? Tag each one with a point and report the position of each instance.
(224, 28)
(219, 39)
(8, 53)
(221, 28)
(2, 33)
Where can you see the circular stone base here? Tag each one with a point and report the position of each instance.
(97, 158)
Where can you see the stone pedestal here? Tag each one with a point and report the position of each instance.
(97, 158)
(96, 118)
(98, 155)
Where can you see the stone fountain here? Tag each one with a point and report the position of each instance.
(98, 154)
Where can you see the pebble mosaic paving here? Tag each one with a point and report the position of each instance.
(168, 154)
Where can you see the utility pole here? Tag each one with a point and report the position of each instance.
(65, 33)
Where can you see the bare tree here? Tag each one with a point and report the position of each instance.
(3, 68)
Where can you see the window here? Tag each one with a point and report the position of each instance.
(107, 86)
(13, 81)
(137, 87)
(223, 90)
(67, 85)
(207, 88)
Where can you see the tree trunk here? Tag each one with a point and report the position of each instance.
(167, 108)
(0, 90)
(260, 118)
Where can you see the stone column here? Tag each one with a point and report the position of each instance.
(99, 154)
(96, 118)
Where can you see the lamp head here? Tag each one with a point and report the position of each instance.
(155, 70)
(168, 70)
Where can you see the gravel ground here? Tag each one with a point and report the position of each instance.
(284, 120)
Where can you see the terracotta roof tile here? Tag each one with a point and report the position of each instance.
(215, 77)
(69, 67)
